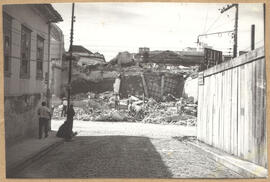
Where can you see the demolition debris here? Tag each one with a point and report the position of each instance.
(101, 107)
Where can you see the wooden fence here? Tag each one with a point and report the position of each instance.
(232, 107)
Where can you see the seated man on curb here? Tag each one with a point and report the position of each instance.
(44, 117)
(65, 130)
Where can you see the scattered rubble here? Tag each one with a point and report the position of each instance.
(101, 107)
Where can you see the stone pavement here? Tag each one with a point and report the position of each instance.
(122, 156)
(126, 150)
(28, 150)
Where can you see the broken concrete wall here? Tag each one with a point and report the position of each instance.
(21, 120)
(191, 88)
(135, 81)
(153, 84)
(87, 80)
(173, 84)
(81, 85)
(131, 85)
(159, 84)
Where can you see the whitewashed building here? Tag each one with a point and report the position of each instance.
(57, 51)
(26, 32)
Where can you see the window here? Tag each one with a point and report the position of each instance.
(40, 55)
(7, 43)
(25, 52)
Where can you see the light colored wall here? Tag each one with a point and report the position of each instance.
(191, 88)
(232, 107)
(14, 85)
(57, 81)
(23, 96)
(56, 52)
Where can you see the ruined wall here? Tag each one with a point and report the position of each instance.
(159, 84)
(81, 85)
(134, 82)
(131, 85)
(173, 84)
(191, 88)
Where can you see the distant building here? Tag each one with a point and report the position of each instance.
(168, 59)
(25, 37)
(124, 59)
(86, 57)
(143, 50)
(162, 59)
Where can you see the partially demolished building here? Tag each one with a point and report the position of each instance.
(150, 73)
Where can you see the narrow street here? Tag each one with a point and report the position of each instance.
(134, 90)
(126, 150)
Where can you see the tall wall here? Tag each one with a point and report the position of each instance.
(56, 56)
(232, 107)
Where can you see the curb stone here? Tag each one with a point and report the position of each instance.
(18, 166)
(244, 168)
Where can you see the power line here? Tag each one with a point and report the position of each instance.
(213, 23)
(205, 22)
(256, 43)
(221, 25)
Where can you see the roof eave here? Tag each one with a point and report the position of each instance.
(49, 12)
(55, 16)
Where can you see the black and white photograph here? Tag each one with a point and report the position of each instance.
(152, 90)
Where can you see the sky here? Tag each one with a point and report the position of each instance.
(109, 28)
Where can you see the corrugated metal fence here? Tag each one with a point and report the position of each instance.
(232, 107)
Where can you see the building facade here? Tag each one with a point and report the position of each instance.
(56, 56)
(26, 32)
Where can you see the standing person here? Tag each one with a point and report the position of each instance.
(64, 108)
(44, 117)
(117, 101)
(116, 89)
(180, 105)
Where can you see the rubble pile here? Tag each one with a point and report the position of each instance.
(100, 107)
(167, 113)
(94, 107)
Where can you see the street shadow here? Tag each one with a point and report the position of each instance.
(185, 138)
(100, 157)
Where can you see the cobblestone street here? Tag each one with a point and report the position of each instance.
(123, 155)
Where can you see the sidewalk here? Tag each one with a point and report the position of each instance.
(29, 150)
(245, 168)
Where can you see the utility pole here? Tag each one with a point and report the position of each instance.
(48, 72)
(69, 119)
(70, 55)
(49, 65)
(252, 37)
(226, 8)
(264, 23)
